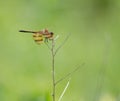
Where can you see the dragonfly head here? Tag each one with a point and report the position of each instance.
(51, 33)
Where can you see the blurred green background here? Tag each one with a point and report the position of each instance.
(25, 67)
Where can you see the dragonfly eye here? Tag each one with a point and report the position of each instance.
(51, 33)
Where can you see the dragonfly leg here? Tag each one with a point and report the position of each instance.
(46, 40)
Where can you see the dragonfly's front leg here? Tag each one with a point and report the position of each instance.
(46, 40)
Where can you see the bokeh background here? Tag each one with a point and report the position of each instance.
(25, 67)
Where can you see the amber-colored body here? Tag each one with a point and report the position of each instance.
(40, 36)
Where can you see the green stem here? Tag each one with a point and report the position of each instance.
(53, 70)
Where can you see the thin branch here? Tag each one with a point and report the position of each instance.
(62, 43)
(69, 74)
(61, 96)
(53, 69)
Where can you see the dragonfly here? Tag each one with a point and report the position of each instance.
(40, 36)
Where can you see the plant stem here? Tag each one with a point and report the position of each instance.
(70, 73)
(53, 69)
